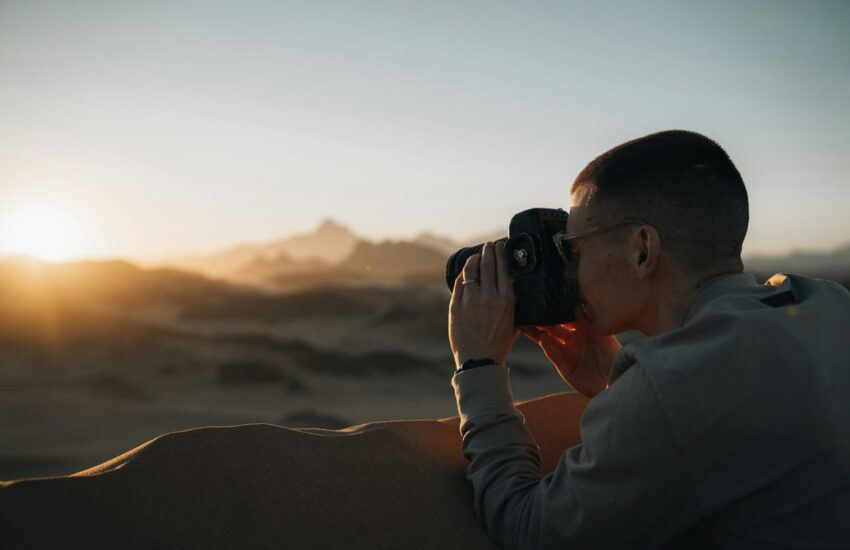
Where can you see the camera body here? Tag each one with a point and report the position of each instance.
(544, 296)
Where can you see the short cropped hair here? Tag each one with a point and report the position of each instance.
(684, 185)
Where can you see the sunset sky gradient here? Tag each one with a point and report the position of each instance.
(157, 128)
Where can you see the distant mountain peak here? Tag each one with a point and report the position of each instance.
(430, 235)
(330, 243)
(440, 243)
(393, 257)
(329, 225)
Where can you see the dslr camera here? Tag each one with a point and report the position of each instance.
(544, 296)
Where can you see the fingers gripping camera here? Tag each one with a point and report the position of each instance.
(544, 295)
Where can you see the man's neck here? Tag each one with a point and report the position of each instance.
(677, 296)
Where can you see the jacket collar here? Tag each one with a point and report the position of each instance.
(725, 285)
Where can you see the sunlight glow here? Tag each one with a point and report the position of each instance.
(43, 231)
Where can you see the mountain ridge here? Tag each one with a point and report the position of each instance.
(332, 252)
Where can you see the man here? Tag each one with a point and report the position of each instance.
(728, 426)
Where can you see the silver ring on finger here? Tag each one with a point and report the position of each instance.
(468, 281)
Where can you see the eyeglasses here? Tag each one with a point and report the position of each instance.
(562, 237)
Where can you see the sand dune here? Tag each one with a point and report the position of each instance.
(382, 485)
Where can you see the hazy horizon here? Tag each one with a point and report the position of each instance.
(156, 260)
(167, 128)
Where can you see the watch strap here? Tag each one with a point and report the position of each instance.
(470, 364)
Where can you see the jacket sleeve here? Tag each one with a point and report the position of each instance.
(626, 485)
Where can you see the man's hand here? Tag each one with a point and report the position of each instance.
(481, 314)
(582, 356)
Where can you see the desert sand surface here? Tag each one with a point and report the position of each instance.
(397, 484)
(259, 486)
(97, 358)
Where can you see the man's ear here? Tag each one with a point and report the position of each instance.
(646, 250)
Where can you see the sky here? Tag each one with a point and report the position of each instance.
(149, 129)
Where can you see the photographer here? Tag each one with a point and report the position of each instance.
(728, 426)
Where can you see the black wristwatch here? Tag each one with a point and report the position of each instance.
(470, 364)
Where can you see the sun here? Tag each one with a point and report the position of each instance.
(43, 231)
